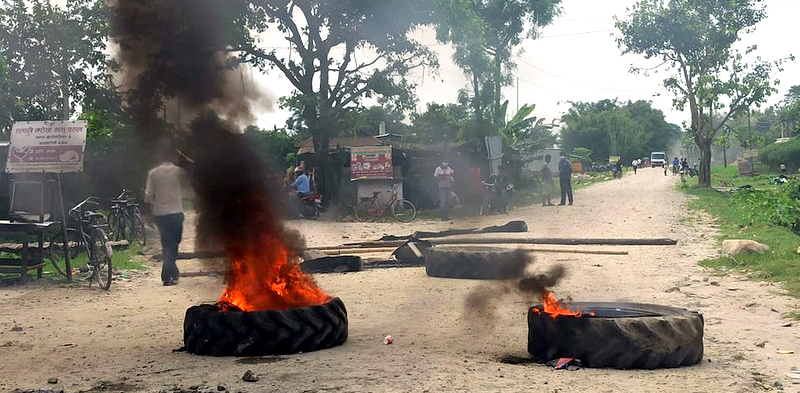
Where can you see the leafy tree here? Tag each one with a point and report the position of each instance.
(694, 39)
(610, 128)
(53, 54)
(328, 76)
(276, 147)
(485, 34)
(439, 125)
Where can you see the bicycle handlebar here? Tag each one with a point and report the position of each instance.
(79, 208)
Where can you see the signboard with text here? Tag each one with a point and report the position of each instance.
(46, 146)
(371, 162)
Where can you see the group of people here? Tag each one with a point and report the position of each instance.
(444, 176)
(678, 165)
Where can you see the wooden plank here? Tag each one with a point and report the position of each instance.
(511, 240)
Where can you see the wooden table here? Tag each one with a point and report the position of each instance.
(29, 259)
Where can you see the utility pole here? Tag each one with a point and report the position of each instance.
(517, 92)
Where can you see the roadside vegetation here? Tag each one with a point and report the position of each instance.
(767, 213)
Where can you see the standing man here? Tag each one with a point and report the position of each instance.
(635, 165)
(164, 195)
(565, 178)
(547, 182)
(444, 176)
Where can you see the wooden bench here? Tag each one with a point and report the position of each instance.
(29, 258)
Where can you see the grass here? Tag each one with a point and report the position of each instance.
(781, 264)
(123, 259)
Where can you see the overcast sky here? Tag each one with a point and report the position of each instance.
(577, 59)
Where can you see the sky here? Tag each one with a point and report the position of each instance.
(577, 59)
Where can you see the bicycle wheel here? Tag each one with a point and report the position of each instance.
(137, 228)
(403, 210)
(113, 223)
(362, 210)
(101, 258)
(77, 252)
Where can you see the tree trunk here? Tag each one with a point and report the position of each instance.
(477, 104)
(705, 163)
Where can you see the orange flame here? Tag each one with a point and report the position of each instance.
(266, 275)
(554, 307)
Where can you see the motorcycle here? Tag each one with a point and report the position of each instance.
(311, 205)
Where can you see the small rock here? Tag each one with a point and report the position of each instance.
(705, 279)
(733, 289)
(736, 247)
(16, 329)
(761, 344)
(52, 381)
(220, 388)
(778, 385)
(774, 310)
(249, 376)
(714, 283)
(751, 304)
(194, 387)
(787, 324)
(673, 289)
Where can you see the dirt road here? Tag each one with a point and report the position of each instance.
(122, 340)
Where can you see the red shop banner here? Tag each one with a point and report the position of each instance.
(371, 162)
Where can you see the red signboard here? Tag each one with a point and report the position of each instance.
(371, 162)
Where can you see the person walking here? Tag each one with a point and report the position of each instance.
(547, 182)
(163, 193)
(635, 165)
(444, 176)
(565, 178)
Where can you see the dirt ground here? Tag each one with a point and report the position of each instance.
(123, 340)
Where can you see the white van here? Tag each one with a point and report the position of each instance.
(658, 158)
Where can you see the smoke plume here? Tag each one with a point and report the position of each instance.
(172, 58)
(481, 304)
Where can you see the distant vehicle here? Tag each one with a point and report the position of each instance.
(658, 158)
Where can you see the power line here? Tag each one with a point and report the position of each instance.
(579, 83)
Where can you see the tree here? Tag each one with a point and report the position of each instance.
(693, 39)
(610, 128)
(53, 55)
(485, 34)
(322, 65)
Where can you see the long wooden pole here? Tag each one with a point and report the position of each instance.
(511, 240)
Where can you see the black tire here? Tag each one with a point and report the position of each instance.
(101, 258)
(404, 211)
(77, 253)
(207, 331)
(334, 264)
(621, 335)
(137, 228)
(310, 211)
(486, 264)
(114, 225)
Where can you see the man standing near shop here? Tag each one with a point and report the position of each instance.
(444, 176)
(565, 178)
(164, 195)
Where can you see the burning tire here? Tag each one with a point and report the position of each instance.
(485, 264)
(209, 331)
(619, 335)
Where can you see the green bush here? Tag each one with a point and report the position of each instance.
(778, 206)
(781, 153)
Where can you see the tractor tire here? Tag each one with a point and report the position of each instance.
(619, 335)
(210, 332)
(484, 264)
(333, 264)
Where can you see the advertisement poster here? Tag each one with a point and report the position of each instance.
(46, 146)
(371, 162)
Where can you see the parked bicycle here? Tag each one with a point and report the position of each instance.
(371, 209)
(87, 244)
(125, 220)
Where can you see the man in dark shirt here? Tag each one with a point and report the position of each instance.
(565, 178)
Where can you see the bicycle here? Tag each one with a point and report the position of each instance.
(402, 209)
(125, 220)
(86, 242)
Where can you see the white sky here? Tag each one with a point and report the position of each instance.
(577, 59)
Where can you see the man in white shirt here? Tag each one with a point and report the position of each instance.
(444, 176)
(164, 194)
